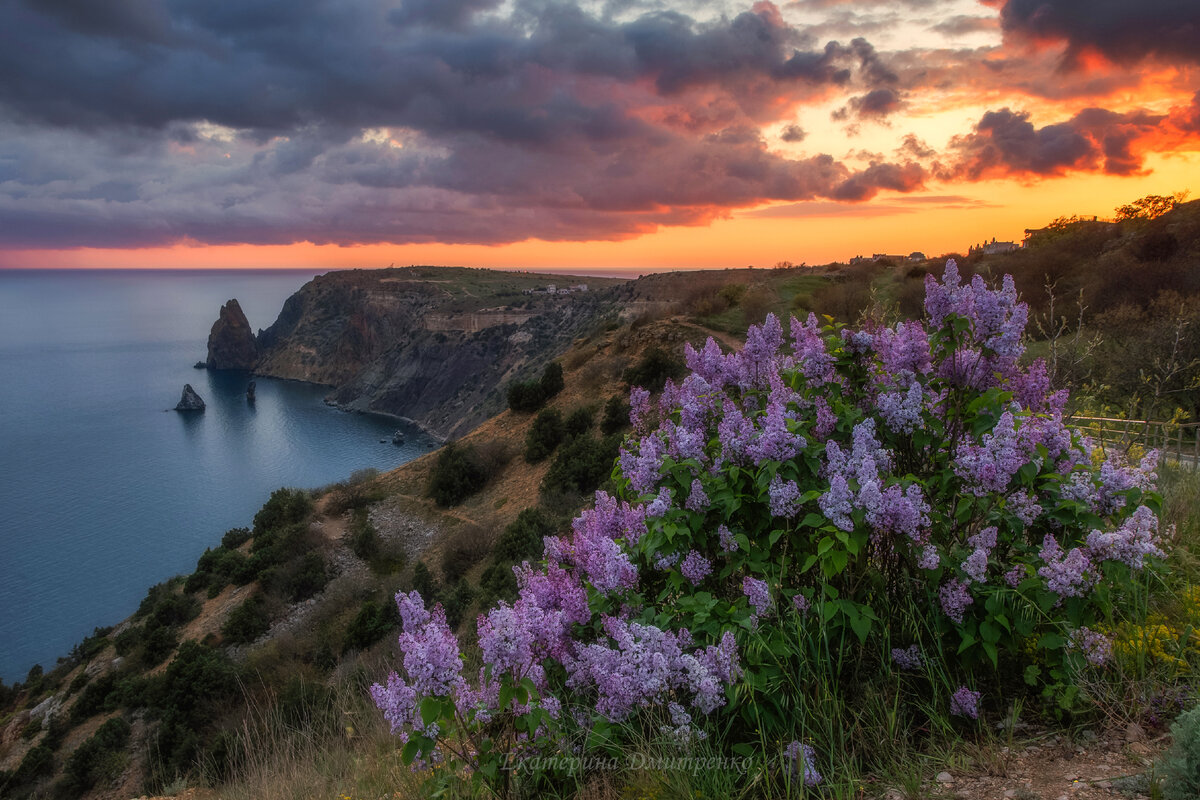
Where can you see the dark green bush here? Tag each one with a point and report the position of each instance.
(154, 594)
(302, 578)
(235, 538)
(522, 538)
(528, 396)
(364, 541)
(458, 602)
(248, 621)
(78, 682)
(372, 622)
(616, 415)
(544, 435)
(580, 420)
(95, 697)
(90, 646)
(100, 758)
(456, 475)
(158, 643)
(552, 382)
(653, 370)
(497, 583)
(174, 610)
(127, 640)
(285, 507)
(422, 581)
(37, 763)
(196, 684)
(582, 464)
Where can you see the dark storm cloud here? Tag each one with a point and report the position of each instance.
(270, 122)
(1006, 142)
(141, 122)
(440, 13)
(876, 104)
(793, 133)
(1124, 32)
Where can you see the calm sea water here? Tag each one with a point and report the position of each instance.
(103, 493)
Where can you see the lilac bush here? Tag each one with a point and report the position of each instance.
(898, 470)
(904, 494)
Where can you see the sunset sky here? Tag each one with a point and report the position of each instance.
(581, 134)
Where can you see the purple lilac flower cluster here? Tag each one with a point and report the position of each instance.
(1095, 646)
(965, 703)
(907, 657)
(801, 761)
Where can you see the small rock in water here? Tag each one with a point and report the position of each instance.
(190, 401)
(199, 365)
(250, 392)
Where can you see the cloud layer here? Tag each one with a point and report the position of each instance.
(145, 122)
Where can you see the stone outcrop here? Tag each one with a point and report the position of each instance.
(366, 334)
(231, 342)
(190, 401)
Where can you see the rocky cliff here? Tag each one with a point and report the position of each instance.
(231, 342)
(437, 345)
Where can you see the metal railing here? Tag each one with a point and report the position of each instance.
(1177, 442)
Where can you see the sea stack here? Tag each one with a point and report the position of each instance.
(250, 392)
(231, 343)
(190, 401)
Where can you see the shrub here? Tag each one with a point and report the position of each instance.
(235, 538)
(422, 580)
(1181, 764)
(100, 758)
(551, 382)
(528, 396)
(285, 507)
(580, 421)
(522, 538)
(654, 369)
(616, 416)
(364, 541)
(84, 651)
(498, 583)
(174, 610)
(248, 621)
(581, 466)
(37, 763)
(96, 697)
(902, 508)
(158, 643)
(300, 578)
(544, 435)
(369, 625)
(456, 475)
(457, 602)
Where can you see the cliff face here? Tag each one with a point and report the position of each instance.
(437, 345)
(231, 342)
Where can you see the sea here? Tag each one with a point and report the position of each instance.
(105, 491)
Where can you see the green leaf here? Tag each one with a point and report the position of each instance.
(431, 711)
(812, 521)
(410, 752)
(1051, 641)
(1032, 672)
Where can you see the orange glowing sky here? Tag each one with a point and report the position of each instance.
(928, 127)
